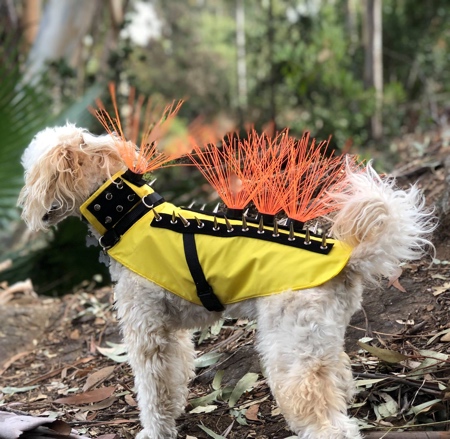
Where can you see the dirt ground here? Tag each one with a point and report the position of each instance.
(63, 357)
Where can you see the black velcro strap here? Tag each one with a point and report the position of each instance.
(204, 290)
(112, 236)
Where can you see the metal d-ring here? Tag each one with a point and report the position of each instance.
(148, 206)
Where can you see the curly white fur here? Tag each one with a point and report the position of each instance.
(300, 333)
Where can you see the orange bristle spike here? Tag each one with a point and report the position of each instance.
(311, 180)
(228, 169)
(144, 131)
(267, 166)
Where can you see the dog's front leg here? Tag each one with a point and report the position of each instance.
(162, 360)
(162, 365)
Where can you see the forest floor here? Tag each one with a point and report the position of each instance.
(64, 357)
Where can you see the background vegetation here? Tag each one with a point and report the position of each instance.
(365, 71)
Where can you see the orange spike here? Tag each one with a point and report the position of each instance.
(144, 127)
(312, 179)
(228, 168)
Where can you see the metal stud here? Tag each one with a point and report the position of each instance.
(158, 217)
(324, 245)
(120, 185)
(109, 196)
(200, 224)
(244, 223)
(228, 224)
(174, 218)
(97, 207)
(275, 233)
(119, 208)
(307, 237)
(291, 232)
(130, 197)
(185, 222)
(216, 224)
(108, 219)
(261, 225)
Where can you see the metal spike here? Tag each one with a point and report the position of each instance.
(307, 237)
(158, 217)
(291, 232)
(200, 224)
(216, 209)
(191, 205)
(185, 222)
(174, 218)
(152, 182)
(261, 225)
(228, 224)
(244, 223)
(216, 224)
(324, 241)
(203, 207)
(275, 233)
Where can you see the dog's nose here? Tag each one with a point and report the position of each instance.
(46, 217)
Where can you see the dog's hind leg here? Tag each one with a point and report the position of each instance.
(300, 339)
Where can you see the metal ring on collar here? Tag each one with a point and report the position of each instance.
(104, 247)
(148, 206)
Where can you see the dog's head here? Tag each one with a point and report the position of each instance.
(63, 166)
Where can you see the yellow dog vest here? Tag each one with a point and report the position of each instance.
(237, 264)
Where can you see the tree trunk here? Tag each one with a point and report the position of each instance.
(62, 28)
(241, 61)
(373, 68)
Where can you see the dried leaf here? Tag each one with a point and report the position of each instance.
(88, 397)
(211, 433)
(204, 409)
(387, 409)
(423, 407)
(384, 354)
(205, 400)
(442, 289)
(242, 386)
(117, 352)
(130, 401)
(217, 381)
(12, 390)
(108, 402)
(368, 382)
(208, 359)
(97, 377)
(252, 413)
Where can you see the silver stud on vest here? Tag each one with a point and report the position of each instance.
(244, 223)
(108, 219)
(119, 208)
(228, 224)
(158, 217)
(275, 233)
(307, 237)
(108, 196)
(216, 224)
(200, 224)
(97, 207)
(185, 222)
(291, 236)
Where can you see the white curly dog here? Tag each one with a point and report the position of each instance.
(300, 333)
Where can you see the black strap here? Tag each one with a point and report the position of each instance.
(112, 236)
(204, 290)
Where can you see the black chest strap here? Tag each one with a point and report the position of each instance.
(204, 290)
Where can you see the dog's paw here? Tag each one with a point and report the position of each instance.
(144, 434)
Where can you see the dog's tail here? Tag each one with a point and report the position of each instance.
(382, 223)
